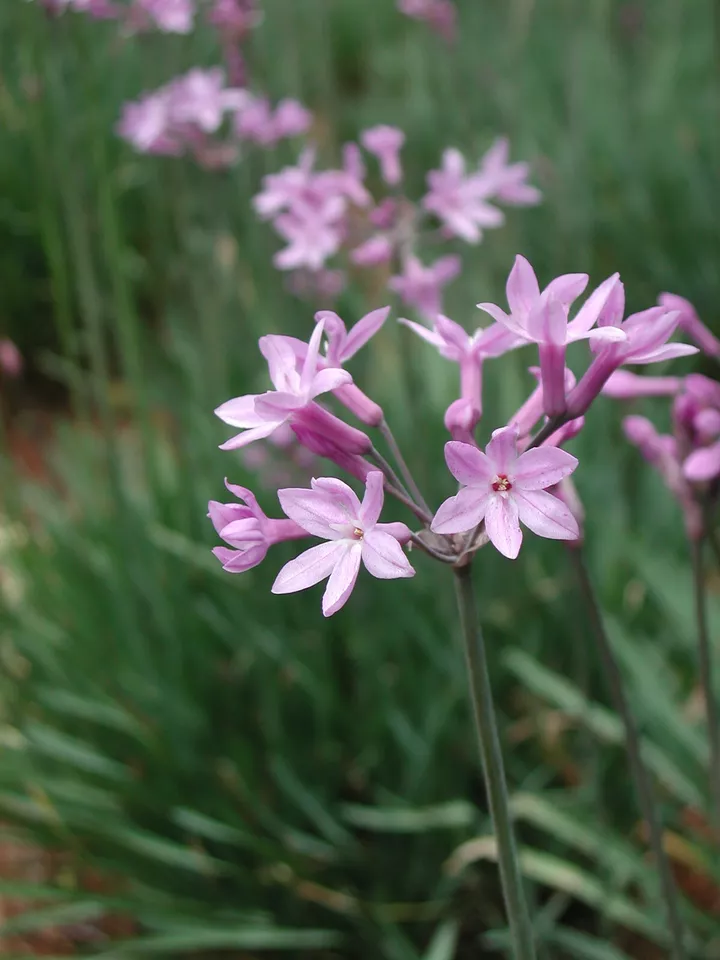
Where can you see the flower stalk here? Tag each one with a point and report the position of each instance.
(521, 930)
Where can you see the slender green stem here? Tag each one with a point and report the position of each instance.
(641, 778)
(553, 424)
(404, 469)
(396, 488)
(706, 678)
(521, 931)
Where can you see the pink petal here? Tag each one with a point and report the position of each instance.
(342, 579)
(522, 287)
(588, 314)
(384, 558)
(547, 322)
(221, 514)
(240, 411)
(281, 357)
(602, 335)
(363, 330)
(429, 335)
(545, 515)
(326, 380)
(509, 322)
(467, 464)
(243, 560)
(310, 567)
(452, 333)
(542, 467)
(242, 493)
(224, 554)
(502, 527)
(502, 449)
(567, 287)
(251, 435)
(703, 464)
(372, 504)
(446, 269)
(314, 510)
(496, 340)
(275, 405)
(242, 530)
(671, 351)
(462, 512)
(311, 359)
(344, 497)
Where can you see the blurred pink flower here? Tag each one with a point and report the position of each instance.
(11, 360)
(507, 181)
(385, 143)
(440, 15)
(235, 17)
(171, 16)
(691, 323)
(257, 121)
(331, 510)
(503, 489)
(420, 286)
(460, 200)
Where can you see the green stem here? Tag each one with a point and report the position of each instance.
(404, 469)
(705, 669)
(643, 784)
(521, 931)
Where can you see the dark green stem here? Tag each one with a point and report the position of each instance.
(706, 681)
(641, 779)
(404, 469)
(521, 931)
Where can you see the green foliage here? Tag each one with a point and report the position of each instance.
(250, 776)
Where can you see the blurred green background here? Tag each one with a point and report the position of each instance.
(225, 770)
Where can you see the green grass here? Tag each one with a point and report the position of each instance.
(248, 769)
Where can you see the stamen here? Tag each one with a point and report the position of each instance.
(501, 484)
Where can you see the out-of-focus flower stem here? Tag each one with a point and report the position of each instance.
(397, 488)
(521, 930)
(643, 784)
(712, 718)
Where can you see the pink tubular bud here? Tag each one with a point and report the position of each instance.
(338, 433)
(360, 404)
(592, 381)
(316, 443)
(643, 435)
(623, 385)
(461, 418)
(691, 323)
(11, 360)
(471, 382)
(552, 372)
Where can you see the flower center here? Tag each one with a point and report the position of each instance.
(357, 533)
(501, 484)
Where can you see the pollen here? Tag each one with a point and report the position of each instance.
(358, 533)
(501, 484)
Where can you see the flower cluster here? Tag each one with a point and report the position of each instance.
(189, 115)
(320, 213)
(688, 458)
(521, 478)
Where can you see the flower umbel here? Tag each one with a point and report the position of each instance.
(503, 489)
(331, 510)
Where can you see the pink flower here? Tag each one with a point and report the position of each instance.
(469, 351)
(376, 250)
(259, 415)
(623, 385)
(332, 511)
(256, 120)
(172, 16)
(199, 98)
(11, 360)
(419, 286)
(691, 323)
(459, 200)
(542, 318)
(507, 181)
(341, 344)
(248, 530)
(313, 236)
(146, 124)
(646, 336)
(385, 143)
(235, 17)
(503, 489)
(703, 464)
